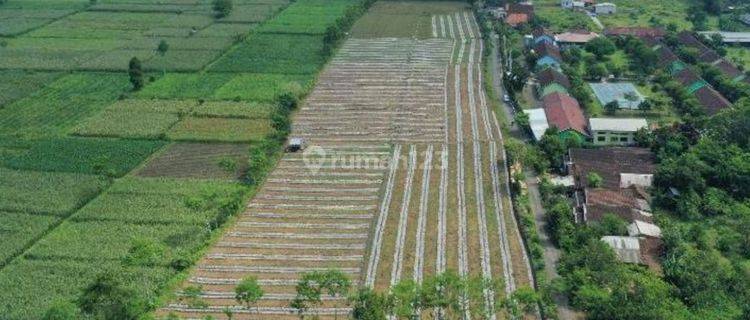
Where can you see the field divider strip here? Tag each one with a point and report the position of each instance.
(398, 254)
(422, 219)
(377, 239)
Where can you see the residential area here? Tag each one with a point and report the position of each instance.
(621, 114)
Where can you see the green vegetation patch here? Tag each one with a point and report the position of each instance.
(46, 192)
(220, 129)
(185, 86)
(18, 84)
(127, 124)
(112, 157)
(226, 30)
(116, 60)
(263, 87)
(560, 19)
(18, 229)
(103, 236)
(275, 53)
(232, 109)
(646, 13)
(181, 60)
(252, 13)
(307, 16)
(61, 105)
(49, 59)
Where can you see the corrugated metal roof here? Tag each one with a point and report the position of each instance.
(537, 122)
(641, 228)
(628, 249)
(617, 124)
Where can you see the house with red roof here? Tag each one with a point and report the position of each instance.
(564, 113)
(640, 32)
(518, 13)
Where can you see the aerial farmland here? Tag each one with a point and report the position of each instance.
(149, 166)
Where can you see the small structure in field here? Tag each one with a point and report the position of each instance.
(625, 93)
(634, 250)
(548, 56)
(295, 144)
(615, 131)
(605, 8)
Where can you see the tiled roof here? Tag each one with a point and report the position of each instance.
(610, 162)
(550, 75)
(547, 49)
(515, 19)
(712, 100)
(564, 112)
(636, 31)
(690, 80)
(666, 56)
(728, 69)
(520, 8)
(576, 37)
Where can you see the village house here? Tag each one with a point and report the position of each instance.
(636, 250)
(564, 113)
(745, 18)
(540, 35)
(615, 131)
(626, 174)
(605, 8)
(640, 32)
(518, 13)
(574, 38)
(548, 56)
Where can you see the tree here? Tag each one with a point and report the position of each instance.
(370, 305)
(646, 105)
(444, 292)
(611, 107)
(145, 253)
(312, 285)
(613, 225)
(596, 71)
(135, 72)
(406, 299)
(594, 180)
(108, 298)
(222, 8)
(601, 47)
(248, 291)
(61, 310)
(162, 48)
(523, 301)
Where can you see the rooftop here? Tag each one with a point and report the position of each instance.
(576, 37)
(564, 112)
(617, 124)
(742, 37)
(550, 75)
(711, 99)
(537, 122)
(547, 49)
(609, 163)
(636, 32)
(640, 228)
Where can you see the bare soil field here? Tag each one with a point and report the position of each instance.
(405, 176)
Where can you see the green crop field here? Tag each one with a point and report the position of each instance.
(220, 129)
(274, 53)
(45, 192)
(263, 87)
(92, 169)
(112, 157)
(171, 214)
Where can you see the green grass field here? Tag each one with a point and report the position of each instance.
(740, 56)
